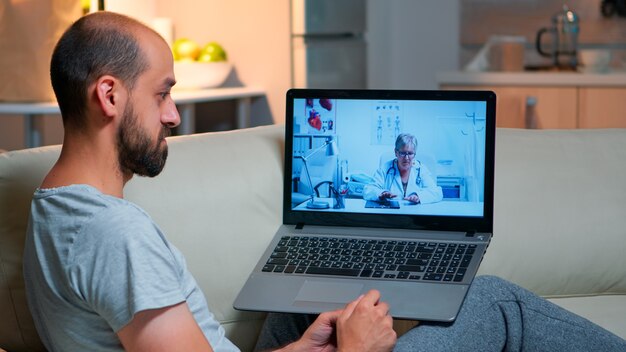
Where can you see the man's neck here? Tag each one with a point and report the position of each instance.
(85, 160)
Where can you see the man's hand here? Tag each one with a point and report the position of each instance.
(319, 337)
(362, 326)
(386, 195)
(365, 325)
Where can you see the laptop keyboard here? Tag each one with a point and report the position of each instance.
(365, 258)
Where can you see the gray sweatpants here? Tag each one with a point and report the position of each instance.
(496, 316)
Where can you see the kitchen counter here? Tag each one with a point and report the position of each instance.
(534, 78)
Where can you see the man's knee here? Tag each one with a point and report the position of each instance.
(489, 289)
(490, 283)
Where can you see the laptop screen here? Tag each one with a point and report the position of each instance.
(407, 159)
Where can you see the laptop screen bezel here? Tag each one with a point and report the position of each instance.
(403, 221)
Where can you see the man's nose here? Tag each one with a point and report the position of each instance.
(170, 116)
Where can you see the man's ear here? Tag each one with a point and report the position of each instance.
(109, 95)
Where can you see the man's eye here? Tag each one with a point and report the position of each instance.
(164, 95)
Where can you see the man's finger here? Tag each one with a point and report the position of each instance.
(372, 297)
(330, 317)
(347, 311)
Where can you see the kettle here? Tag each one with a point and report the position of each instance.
(564, 33)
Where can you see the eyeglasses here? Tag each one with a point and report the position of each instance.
(406, 154)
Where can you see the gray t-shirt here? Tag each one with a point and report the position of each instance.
(92, 261)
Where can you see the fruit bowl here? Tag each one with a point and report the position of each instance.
(198, 75)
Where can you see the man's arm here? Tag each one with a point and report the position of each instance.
(171, 328)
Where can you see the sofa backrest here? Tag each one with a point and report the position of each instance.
(560, 211)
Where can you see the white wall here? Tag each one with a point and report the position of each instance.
(410, 41)
(255, 35)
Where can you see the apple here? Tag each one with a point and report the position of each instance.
(185, 49)
(206, 57)
(212, 52)
(86, 6)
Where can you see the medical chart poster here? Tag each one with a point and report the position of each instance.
(319, 116)
(385, 122)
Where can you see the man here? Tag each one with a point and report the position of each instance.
(100, 275)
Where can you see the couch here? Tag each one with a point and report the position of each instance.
(560, 219)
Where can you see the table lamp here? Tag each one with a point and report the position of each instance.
(331, 150)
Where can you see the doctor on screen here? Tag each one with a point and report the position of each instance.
(404, 177)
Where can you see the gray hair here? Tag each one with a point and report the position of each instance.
(406, 139)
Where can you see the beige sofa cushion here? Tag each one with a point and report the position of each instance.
(607, 311)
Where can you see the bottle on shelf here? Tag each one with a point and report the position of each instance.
(530, 117)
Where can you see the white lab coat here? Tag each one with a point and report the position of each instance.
(388, 178)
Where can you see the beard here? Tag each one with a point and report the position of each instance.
(137, 152)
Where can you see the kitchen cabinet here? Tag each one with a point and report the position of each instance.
(554, 107)
(562, 100)
(601, 107)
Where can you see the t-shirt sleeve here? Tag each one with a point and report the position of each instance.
(123, 265)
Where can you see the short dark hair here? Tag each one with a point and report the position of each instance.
(97, 44)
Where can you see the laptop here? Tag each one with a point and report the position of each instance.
(341, 238)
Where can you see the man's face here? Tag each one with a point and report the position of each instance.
(149, 113)
(138, 152)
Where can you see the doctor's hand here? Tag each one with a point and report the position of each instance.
(386, 195)
(413, 198)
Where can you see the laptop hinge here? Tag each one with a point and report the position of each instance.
(299, 226)
(470, 233)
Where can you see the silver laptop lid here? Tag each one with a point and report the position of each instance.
(343, 152)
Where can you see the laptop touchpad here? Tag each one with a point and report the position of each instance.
(329, 292)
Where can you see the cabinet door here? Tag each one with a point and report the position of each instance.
(556, 107)
(602, 107)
